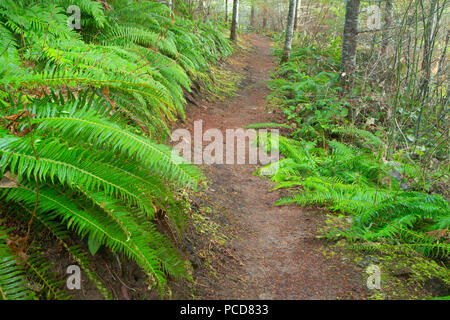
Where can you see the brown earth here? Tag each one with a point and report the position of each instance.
(274, 253)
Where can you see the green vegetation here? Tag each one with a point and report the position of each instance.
(91, 89)
(333, 162)
(82, 115)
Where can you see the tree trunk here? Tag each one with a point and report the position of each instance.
(280, 20)
(234, 21)
(252, 16)
(238, 17)
(428, 48)
(442, 60)
(349, 44)
(296, 15)
(387, 25)
(264, 23)
(226, 12)
(289, 32)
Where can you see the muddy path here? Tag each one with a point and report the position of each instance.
(274, 251)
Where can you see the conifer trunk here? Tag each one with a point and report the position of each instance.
(387, 25)
(233, 35)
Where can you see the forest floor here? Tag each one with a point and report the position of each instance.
(270, 252)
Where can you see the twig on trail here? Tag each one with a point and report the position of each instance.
(227, 251)
(124, 282)
(116, 277)
(107, 267)
(232, 256)
(192, 100)
(118, 262)
(202, 285)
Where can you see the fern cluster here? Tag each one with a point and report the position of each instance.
(328, 162)
(357, 182)
(138, 54)
(81, 115)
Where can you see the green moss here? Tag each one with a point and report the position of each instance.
(204, 225)
(404, 271)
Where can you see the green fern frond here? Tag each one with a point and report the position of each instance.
(88, 126)
(13, 282)
(106, 230)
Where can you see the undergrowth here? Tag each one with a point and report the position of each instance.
(82, 115)
(334, 162)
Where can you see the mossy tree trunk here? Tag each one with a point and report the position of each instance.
(289, 31)
(350, 42)
(387, 26)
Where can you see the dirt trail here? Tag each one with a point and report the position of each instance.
(275, 253)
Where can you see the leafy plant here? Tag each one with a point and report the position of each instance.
(342, 167)
(83, 113)
(355, 183)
